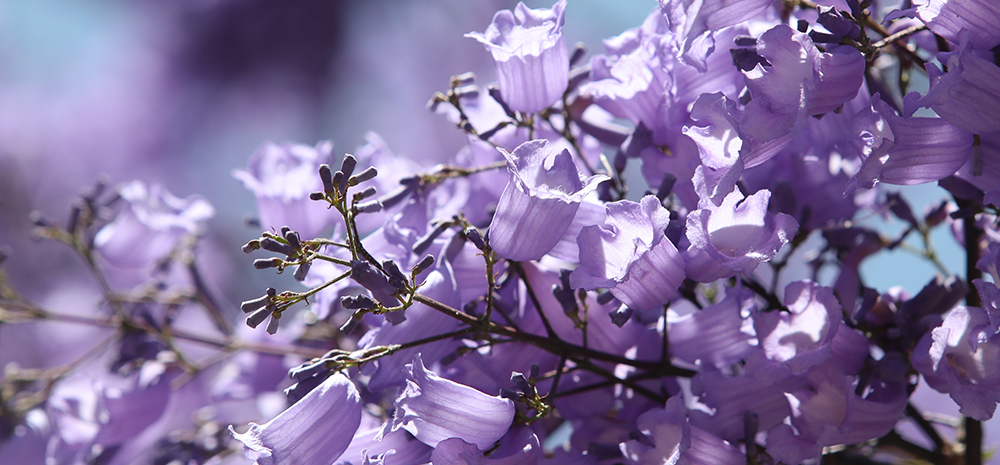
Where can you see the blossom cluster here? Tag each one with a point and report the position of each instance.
(528, 303)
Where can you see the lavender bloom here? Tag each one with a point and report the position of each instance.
(92, 417)
(695, 23)
(150, 226)
(797, 81)
(827, 411)
(905, 151)
(434, 409)
(951, 18)
(641, 80)
(531, 59)
(807, 177)
(669, 438)
(518, 447)
(962, 358)
(735, 236)
(402, 446)
(630, 255)
(717, 335)
(281, 177)
(540, 201)
(759, 389)
(811, 332)
(315, 430)
(965, 96)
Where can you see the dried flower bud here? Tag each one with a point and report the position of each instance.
(301, 272)
(425, 242)
(326, 175)
(423, 264)
(251, 246)
(366, 175)
(364, 194)
(274, 246)
(258, 317)
(350, 324)
(293, 239)
(371, 206)
(272, 326)
(251, 305)
(357, 302)
(346, 167)
(475, 237)
(265, 263)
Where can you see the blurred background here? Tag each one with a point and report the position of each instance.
(183, 92)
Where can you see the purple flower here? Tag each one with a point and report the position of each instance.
(980, 19)
(811, 332)
(150, 226)
(435, 409)
(530, 56)
(667, 437)
(315, 430)
(827, 410)
(758, 389)
(91, 415)
(962, 358)
(630, 255)
(695, 22)
(402, 446)
(717, 335)
(905, 151)
(807, 177)
(518, 447)
(966, 96)
(735, 236)
(281, 177)
(540, 201)
(795, 80)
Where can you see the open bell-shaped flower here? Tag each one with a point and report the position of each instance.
(530, 55)
(630, 255)
(540, 201)
(316, 429)
(434, 409)
(735, 236)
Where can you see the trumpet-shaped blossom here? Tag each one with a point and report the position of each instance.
(630, 255)
(795, 80)
(829, 409)
(906, 151)
(735, 236)
(530, 55)
(150, 226)
(979, 19)
(540, 200)
(281, 177)
(667, 437)
(962, 358)
(518, 447)
(316, 429)
(759, 389)
(811, 332)
(695, 23)
(966, 96)
(434, 409)
(717, 335)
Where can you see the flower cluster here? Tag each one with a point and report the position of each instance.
(526, 303)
